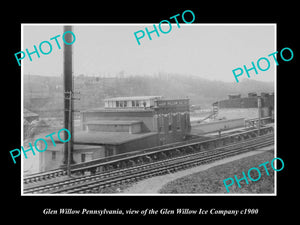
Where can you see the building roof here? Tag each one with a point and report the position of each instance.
(59, 147)
(127, 109)
(113, 122)
(234, 94)
(107, 138)
(27, 113)
(133, 98)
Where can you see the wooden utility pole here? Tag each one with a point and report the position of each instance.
(68, 90)
(69, 147)
(259, 113)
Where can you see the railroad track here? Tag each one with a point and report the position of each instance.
(92, 183)
(114, 162)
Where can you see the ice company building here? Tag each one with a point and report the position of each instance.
(124, 124)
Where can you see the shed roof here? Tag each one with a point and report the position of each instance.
(127, 109)
(77, 147)
(107, 138)
(113, 122)
(27, 113)
(132, 98)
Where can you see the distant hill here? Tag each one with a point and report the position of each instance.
(44, 94)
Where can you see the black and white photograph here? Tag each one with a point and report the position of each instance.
(160, 116)
(174, 112)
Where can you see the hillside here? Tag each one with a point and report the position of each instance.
(43, 94)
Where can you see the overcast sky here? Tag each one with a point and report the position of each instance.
(210, 51)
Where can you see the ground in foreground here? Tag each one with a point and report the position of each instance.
(211, 180)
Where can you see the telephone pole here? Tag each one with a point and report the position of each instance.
(68, 90)
(259, 113)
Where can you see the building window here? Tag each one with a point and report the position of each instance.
(133, 103)
(53, 155)
(117, 104)
(159, 123)
(186, 120)
(82, 157)
(178, 121)
(170, 121)
(108, 151)
(170, 118)
(159, 129)
(125, 103)
(121, 104)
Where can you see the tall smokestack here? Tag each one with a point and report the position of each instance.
(68, 89)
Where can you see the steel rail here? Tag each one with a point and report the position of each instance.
(126, 156)
(158, 170)
(110, 175)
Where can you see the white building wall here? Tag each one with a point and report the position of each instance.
(218, 125)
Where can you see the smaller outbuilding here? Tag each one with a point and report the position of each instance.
(30, 116)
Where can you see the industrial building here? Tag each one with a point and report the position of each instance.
(217, 125)
(131, 123)
(124, 124)
(236, 101)
(127, 124)
(52, 158)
